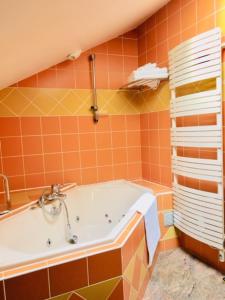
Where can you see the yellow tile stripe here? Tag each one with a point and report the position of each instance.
(18, 101)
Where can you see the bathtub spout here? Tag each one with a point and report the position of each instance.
(56, 192)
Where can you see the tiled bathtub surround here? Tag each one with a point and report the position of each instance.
(88, 274)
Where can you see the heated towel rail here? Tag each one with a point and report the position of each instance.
(198, 213)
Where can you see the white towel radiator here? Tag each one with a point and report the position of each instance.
(198, 213)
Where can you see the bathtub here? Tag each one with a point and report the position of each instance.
(97, 212)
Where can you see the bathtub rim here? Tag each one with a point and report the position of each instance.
(68, 187)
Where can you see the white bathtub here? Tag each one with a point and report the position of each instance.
(103, 209)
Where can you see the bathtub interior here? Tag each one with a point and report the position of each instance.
(107, 205)
(97, 212)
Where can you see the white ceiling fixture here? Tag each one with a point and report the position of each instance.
(74, 55)
(35, 34)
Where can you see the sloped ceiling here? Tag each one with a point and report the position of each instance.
(36, 34)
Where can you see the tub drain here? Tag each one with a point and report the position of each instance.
(73, 239)
(49, 242)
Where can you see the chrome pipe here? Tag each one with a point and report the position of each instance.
(6, 190)
(94, 107)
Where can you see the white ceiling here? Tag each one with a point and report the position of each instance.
(36, 34)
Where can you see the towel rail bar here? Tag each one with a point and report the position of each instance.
(198, 213)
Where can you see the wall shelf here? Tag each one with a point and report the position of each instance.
(149, 82)
(147, 76)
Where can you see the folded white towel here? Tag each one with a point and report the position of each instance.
(145, 76)
(147, 206)
(148, 72)
(147, 67)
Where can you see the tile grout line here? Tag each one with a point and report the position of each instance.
(75, 293)
(22, 152)
(121, 278)
(49, 283)
(111, 148)
(96, 154)
(42, 147)
(61, 152)
(88, 279)
(79, 155)
(4, 289)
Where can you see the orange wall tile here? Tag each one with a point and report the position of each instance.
(39, 151)
(155, 147)
(175, 22)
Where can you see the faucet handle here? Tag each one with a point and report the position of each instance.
(56, 188)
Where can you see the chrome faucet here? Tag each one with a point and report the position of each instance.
(55, 194)
(7, 194)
